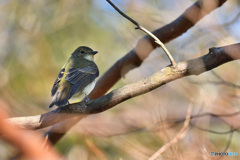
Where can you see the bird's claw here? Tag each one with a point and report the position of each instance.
(87, 99)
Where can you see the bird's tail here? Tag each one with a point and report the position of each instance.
(51, 105)
(61, 97)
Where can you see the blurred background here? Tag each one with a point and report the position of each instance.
(37, 38)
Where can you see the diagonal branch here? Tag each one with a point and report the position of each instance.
(123, 14)
(215, 58)
(173, 63)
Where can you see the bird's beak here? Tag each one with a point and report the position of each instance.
(93, 52)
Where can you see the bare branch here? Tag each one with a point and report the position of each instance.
(215, 58)
(173, 63)
(229, 141)
(215, 132)
(123, 14)
(177, 137)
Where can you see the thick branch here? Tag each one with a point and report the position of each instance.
(215, 58)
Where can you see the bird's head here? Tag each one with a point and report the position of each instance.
(84, 52)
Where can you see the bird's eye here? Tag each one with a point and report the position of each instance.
(82, 52)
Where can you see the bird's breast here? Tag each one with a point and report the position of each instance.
(81, 94)
(89, 87)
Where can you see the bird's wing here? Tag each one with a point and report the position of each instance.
(62, 95)
(81, 77)
(55, 85)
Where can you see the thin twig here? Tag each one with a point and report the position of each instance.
(179, 136)
(215, 132)
(227, 145)
(229, 140)
(123, 14)
(160, 43)
(173, 63)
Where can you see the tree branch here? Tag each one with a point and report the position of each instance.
(215, 58)
(173, 63)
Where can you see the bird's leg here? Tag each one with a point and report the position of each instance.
(87, 98)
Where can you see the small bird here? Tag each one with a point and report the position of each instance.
(76, 78)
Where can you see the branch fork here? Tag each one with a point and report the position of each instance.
(173, 63)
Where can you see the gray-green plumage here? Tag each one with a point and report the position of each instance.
(77, 77)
